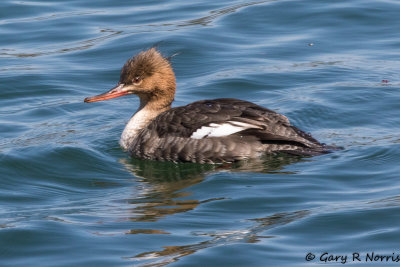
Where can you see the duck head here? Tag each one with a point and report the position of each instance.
(148, 75)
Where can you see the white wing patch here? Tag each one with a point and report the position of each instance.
(223, 129)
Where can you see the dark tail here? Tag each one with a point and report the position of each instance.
(315, 151)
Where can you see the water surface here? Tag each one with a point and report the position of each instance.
(69, 195)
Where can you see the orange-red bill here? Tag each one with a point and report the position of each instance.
(113, 93)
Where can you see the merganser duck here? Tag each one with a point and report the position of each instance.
(206, 131)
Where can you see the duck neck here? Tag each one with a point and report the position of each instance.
(146, 113)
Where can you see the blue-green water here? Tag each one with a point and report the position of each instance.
(69, 196)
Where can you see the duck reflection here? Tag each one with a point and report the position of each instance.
(164, 191)
(165, 172)
(161, 187)
(251, 234)
(163, 183)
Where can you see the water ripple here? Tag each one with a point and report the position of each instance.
(108, 34)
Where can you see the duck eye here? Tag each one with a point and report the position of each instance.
(137, 79)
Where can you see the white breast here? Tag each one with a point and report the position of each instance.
(138, 121)
(221, 129)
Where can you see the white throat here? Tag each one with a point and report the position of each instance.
(142, 117)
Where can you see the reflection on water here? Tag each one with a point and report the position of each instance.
(157, 172)
(247, 235)
(164, 184)
(147, 231)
